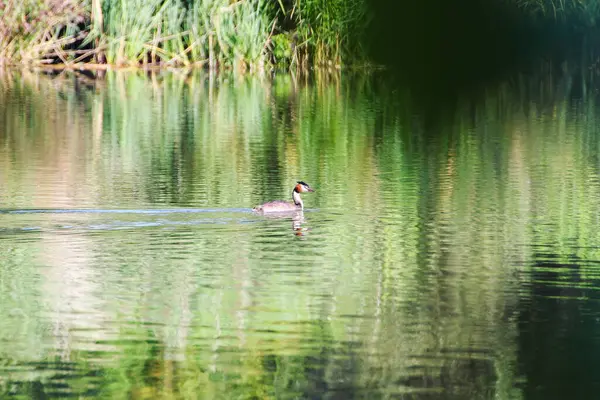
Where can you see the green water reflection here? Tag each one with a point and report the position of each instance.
(438, 250)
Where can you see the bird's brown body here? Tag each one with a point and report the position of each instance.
(285, 206)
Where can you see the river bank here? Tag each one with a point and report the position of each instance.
(255, 36)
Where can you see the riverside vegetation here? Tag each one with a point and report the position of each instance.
(245, 34)
(219, 33)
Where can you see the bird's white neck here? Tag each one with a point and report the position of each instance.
(297, 199)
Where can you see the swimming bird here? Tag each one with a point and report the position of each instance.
(285, 206)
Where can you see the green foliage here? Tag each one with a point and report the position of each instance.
(327, 31)
(177, 32)
(221, 33)
(136, 29)
(282, 48)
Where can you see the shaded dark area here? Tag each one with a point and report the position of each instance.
(68, 380)
(439, 47)
(559, 341)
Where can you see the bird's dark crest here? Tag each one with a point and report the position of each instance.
(303, 183)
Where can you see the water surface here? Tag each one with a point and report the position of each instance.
(448, 253)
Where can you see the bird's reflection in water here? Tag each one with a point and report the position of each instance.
(297, 221)
(297, 218)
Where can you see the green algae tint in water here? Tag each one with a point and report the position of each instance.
(447, 255)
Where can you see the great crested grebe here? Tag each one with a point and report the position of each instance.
(285, 206)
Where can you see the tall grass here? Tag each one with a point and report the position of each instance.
(176, 32)
(229, 34)
(330, 30)
(242, 34)
(137, 32)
